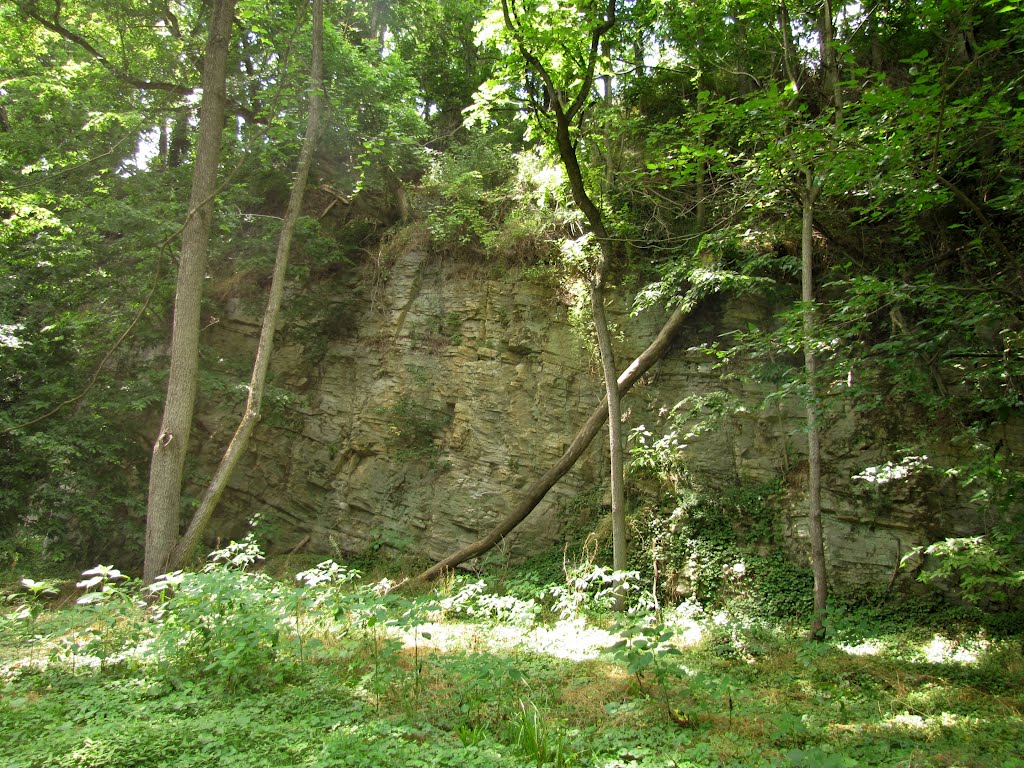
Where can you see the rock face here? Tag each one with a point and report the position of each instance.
(409, 414)
(444, 395)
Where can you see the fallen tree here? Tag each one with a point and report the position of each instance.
(536, 492)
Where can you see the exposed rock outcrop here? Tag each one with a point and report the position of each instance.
(424, 395)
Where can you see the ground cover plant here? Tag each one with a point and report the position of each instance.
(229, 666)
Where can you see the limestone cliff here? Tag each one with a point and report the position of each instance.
(425, 394)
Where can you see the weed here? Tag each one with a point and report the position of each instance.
(30, 600)
(414, 427)
(224, 621)
(30, 603)
(535, 739)
(471, 735)
(234, 668)
(110, 605)
(644, 646)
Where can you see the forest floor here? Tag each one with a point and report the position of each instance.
(239, 669)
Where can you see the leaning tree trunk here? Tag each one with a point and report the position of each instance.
(171, 445)
(257, 385)
(536, 492)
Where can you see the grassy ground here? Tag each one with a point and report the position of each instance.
(242, 670)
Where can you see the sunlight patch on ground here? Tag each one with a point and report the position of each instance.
(688, 630)
(572, 640)
(942, 650)
(687, 621)
(67, 651)
(927, 726)
(908, 722)
(938, 650)
(866, 648)
(914, 725)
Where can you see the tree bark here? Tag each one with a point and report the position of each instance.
(536, 493)
(564, 115)
(830, 61)
(169, 450)
(257, 385)
(789, 59)
(604, 344)
(814, 524)
(810, 193)
(615, 450)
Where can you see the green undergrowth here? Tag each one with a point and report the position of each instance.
(232, 667)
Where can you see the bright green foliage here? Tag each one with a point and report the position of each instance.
(645, 649)
(496, 202)
(708, 545)
(379, 685)
(962, 394)
(66, 476)
(919, 255)
(438, 42)
(89, 218)
(473, 181)
(375, 132)
(30, 604)
(696, 160)
(366, 744)
(536, 740)
(990, 568)
(220, 624)
(81, 241)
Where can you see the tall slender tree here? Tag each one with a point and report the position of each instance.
(538, 490)
(171, 445)
(257, 385)
(809, 195)
(565, 106)
(809, 192)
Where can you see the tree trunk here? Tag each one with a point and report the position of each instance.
(178, 139)
(536, 493)
(616, 460)
(240, 441)
(596, 223)
(565, 114)
(814, 525)
(162, 146)
(877, 57)
(789, 59)
(612, 397)
(830, 61)
(169, 450)
(811, 190)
